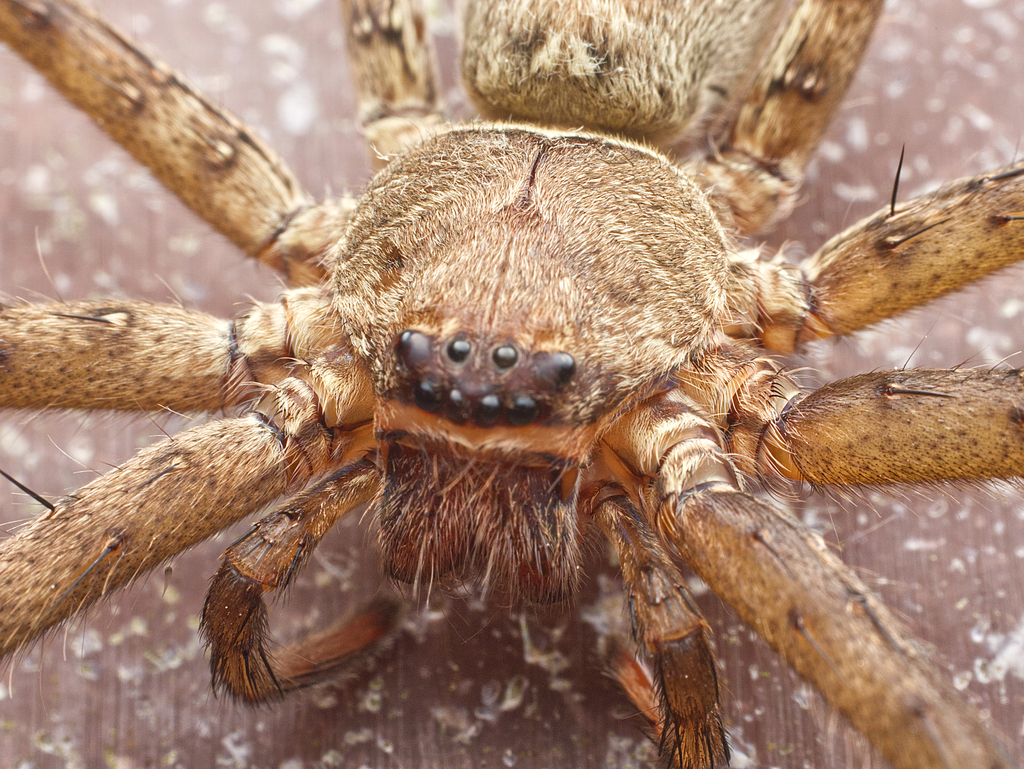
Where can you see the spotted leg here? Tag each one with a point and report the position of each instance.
(206, 156)
(785, 583)
(758, 170)
(161, 502)
(395, 73)
(898, 258)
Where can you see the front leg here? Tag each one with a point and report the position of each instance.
(217, 165)
(138, 356)
(686, 717)
(166, 500)
(783, 581)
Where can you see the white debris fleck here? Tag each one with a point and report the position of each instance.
(297, 108)
(831, 151)
(36, 184)
(916, 544)
(1009, 656)
(1011, 308)
(237, 751)
(104, 205)
(87, 642)
(293, 9)
(962, 680)
(515, 689)
(857, 134)
(855, 193)
(288, 55)
(980, 120)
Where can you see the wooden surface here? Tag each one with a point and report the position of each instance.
(463, 687)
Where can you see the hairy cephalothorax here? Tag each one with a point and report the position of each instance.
(521, 335)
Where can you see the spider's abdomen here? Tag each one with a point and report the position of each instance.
(638, 68)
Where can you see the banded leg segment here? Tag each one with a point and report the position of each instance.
(163, 501)
(395, 73)
(892, 261)
(234, 622)
(203, 154)
(784, 582)
(138, 356)
(804, 80)
(688, 721)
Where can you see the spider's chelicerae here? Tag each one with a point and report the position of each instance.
(583, 367)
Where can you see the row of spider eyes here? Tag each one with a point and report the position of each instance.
(552, 371)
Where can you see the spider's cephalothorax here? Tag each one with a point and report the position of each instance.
(519, 333)
(503, 347)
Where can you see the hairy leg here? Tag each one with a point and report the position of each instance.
(687, 720)
(217, 165)
(758, 170)
(137, 356)
(265, 559)
(801, 599)
(395, 73)
(901, 257)
(161, 502)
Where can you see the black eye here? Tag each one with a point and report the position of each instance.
(487, 410)
(555, 369)
(428, 396)
(458, 350)
(505, 356)
(565, 367)
(413, 348)
(523, 411)
(456, 409)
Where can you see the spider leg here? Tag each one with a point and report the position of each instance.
(164, 500)
(234, 622)
(758, 170)
(785, 583)
(898, 258)
(904, 426)
(688, 721)
(901, 427)
(394, 69)
(116, 354)
(217, 165)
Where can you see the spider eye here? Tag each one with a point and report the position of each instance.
(488, 410)
(456, 409)
(555, 369)
(428, 396)
(413, 348)
(458, 350)
(523, 411)
(505, 356)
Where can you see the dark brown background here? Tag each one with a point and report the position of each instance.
(129, 688)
